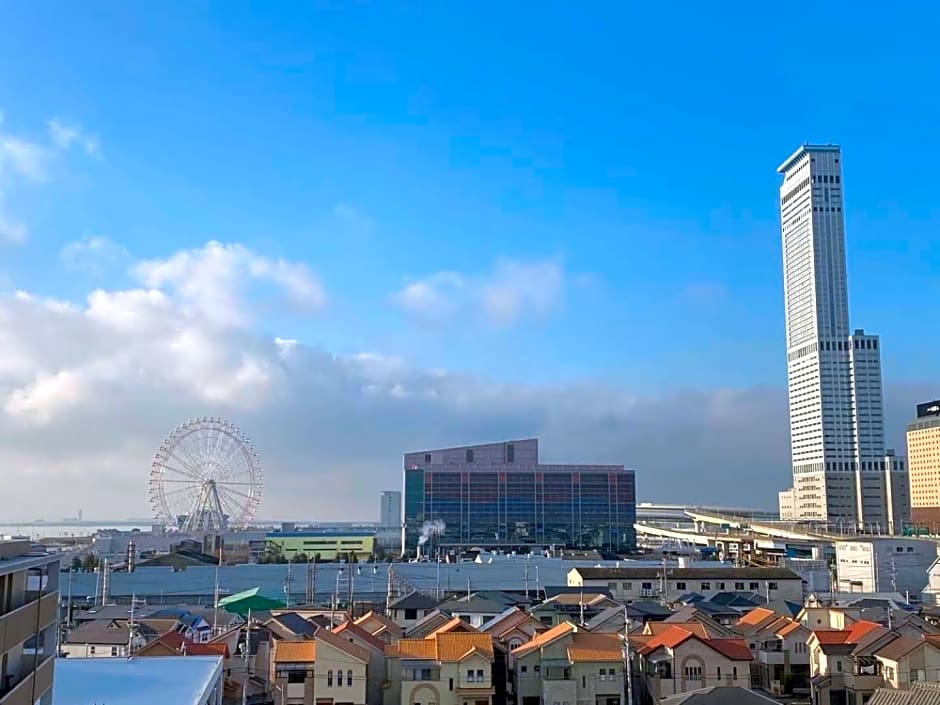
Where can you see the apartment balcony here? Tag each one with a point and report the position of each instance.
(27, 686)
(772, 658)
(20, 624)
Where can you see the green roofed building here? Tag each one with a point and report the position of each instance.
(240, 603)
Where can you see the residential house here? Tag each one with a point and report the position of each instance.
(640, 612)
(843, 666)
(455, 668)
(781, 663)
(380, 626)
(100, 638)
(475, 609)
(909, 660)
(568, 664)
(428, 624)
(355, 634)
(408, 609)
(290, 626)
(672, 583)
(512, 628)
(325, 669)
(573, 607)
(678, 660)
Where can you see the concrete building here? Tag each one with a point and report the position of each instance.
(388, 533)
(654, 583)
(841, 471)
(882, 564)
(923, 453)
(329, 544)
(189, 680)
(327, 668)
(499, 494)
(29, 599)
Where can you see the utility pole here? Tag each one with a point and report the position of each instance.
(527, 575)
(130, 627)
(287, 582)
(247, 659)
(627, 661)
(388, 594)
(215, 601)
(437, 584)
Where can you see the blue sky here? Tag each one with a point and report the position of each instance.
(628, 148)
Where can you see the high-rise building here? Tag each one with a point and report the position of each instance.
(923, 457)
(390, 509)
(499, 494)
(29, 603)
(841, 470)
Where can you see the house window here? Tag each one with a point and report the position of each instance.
(91, 649)
(523, 670)
(739, 586)
(754, 586)
(470, 676)
(626, 586)
(693, 673)
(718, 672)
(720, 586)
(771, 586)
(427, 458)
(647, 586)
(349, 678)
(114, 651)
(329, 679)
(479, 675)
(451, 684)
(734, 672)
(680, 586)
(469, 455)
(705, 586)
(296, 676)
(339, 679)
(839, 665)
(510, 453)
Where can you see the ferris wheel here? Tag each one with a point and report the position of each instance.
(206, 476)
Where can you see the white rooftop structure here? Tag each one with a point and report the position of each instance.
(183, 680)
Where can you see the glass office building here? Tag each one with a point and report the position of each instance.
(500, 495)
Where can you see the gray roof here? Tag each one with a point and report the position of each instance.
(476, 604)
(413, 601)
(726, 574)
(720, 696)
(113, 633)
(919, 694)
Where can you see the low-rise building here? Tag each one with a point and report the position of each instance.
(843, 667)
(884, 564)
(908, 660)
(672, 583)
(329, 544)
(678, 661)
(326, 668)
(454, 668)
(567, 664)
(410, 608)
(29, 598)
(781, 656)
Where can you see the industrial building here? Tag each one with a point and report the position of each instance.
(329, 544)
(499, 494)
(884, 564)
(29, 599)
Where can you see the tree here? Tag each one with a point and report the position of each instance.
(89, 562)
(300, 558)
(75, 565)
(316, 557)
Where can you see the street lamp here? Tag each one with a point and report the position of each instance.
(335, 604)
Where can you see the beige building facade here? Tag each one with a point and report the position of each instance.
(923, 458)
(29, 599)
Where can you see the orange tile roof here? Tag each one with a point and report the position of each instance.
(789, 627)
(448, 647)
(595, 647)
(546, 637)
(206, 650)
(454, 625)
(830, 636)
(295, 651)
(860, 629)
(657, 628)
(670, 638)
(755, 616)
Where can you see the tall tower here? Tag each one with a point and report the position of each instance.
(841, 472)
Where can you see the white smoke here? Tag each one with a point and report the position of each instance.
(429, 529)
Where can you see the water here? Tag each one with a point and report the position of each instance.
(38, 531)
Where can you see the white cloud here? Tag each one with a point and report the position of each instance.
(211, 281)
(20, 157)
(509, 292)
(11, 232)
(65, 136)
(93, 254)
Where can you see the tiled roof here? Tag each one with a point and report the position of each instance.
(455, 624)
(919, 694)
(450, 647)
(348, 629)
(546, 637)
(338, 642)
(670, 638)
(860, 629)
(383, 624)
(413, 600)
(295, 651)
(657, 628)
(899, 648)
(595, 647)
(831, 636)
(193, 649)
(756, 616)
(734, 649)
(788, 628)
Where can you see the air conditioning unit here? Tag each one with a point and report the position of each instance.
(776, 688)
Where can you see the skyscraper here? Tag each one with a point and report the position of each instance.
(841, 471)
